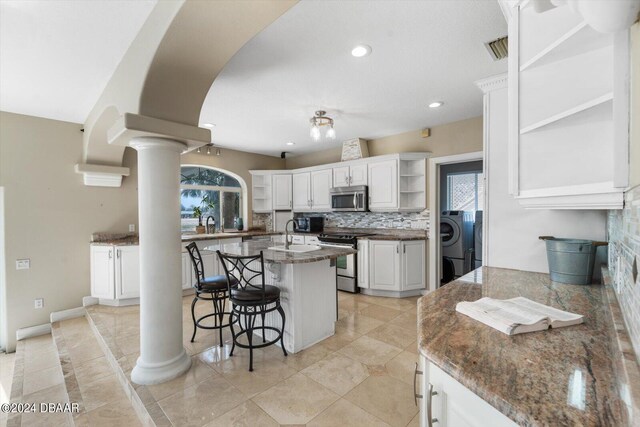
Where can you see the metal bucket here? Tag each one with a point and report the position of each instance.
(571, 260)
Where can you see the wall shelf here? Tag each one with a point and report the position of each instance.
(571, 111)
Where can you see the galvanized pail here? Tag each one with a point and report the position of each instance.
(571, 260)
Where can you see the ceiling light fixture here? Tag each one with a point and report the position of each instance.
(208, 125)
(317, 122)
(291, 143)
(361, 50)
(436, 104)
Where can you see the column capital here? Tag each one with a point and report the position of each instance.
(152, 142)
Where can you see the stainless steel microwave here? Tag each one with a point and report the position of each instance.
(350, 199)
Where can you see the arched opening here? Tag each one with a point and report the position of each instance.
(216, 193)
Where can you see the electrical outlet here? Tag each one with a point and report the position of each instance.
(38, 302)
(132, 228)
(23, 264)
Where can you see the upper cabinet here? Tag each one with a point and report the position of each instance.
(261, 194)
(398, 184)
(311, 191)
(282, 196)
(348, 176)
(383, 188)
(302, 192)
(568, 118)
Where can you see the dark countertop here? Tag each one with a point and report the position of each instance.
(383, 233)
(124, 240)
(254, 247)
(532, 378)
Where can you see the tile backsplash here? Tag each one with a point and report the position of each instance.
(624, 260)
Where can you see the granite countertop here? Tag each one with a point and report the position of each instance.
(383, 233)
(563, 376)
(253, 248)
(124, 239)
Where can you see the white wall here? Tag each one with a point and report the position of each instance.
(512, 231)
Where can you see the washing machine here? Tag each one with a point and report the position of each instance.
(456, 233)
(477, 240)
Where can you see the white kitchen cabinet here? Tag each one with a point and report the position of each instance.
(210, 264)
(301, 192)
(102, 271)
(321, 183)
(346, 176)
(115, 272)
(363, 263)
(127, 283)
(384, 265)
(311, 240)
(413, 267)
(261, 191)
(281, 189)
(296, 239)
(397, 266)
(452, 404)
(187, 271)
(383, 185)
(568, 110)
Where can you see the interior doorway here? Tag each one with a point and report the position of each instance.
(456, 187)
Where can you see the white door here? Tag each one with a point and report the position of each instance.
(321, 183)
(127, 271)
(413, 265)
(301, 192)
(281, 192)
(187, 268)
(363, 264)
(102, 265)
(384, 263)
(358, 175)
(341, 176)
(383, 185)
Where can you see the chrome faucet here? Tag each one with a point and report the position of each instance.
(286, 234)
(213, 230)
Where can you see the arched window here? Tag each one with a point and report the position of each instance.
(214, 192)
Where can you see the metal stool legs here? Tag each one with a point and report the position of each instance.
(218, 300)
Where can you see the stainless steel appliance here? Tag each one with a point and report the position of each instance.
(310, 224)
(346, 266)
(350, 199)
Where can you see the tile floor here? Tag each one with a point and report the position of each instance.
(362, 376)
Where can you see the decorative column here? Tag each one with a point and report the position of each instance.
(162, 355)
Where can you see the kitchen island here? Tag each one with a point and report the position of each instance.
(308, 293)
(579, 375)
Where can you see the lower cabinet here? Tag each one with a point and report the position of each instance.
(450, 404)
(395, 265)
(115, 272)
(363, 264)
(210, 264)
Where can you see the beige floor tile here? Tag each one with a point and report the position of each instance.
(247, 414)
(415, 422)
(343, 413)
(394, 335)
(101, 391)
(403, 366)
(92, 370)
(342, 337)
(307, 357)
(44, 378)
(201, 403)
(412, 348)
(38, 343)
(370, 351)
(352, 305)
(55, 394)
(198, 372)
(36, 360)
(406, 320)
(128, 344)
(398, 303)
(7, 362)
(338, 373)
(117, 413)
(385, 397)
(263, 377)
(380, 312)
(297, 400)
(359, 323)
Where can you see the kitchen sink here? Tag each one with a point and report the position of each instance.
(296, 248)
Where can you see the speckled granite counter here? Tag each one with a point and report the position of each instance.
(254, 248)
(383, 233)
(124, 239)
(564, 376)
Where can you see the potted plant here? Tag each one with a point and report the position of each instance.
(197, 213)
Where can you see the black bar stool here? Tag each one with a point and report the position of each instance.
(216, 287)
(251, 297)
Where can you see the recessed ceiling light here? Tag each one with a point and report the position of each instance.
(436, 104)
(361, 50)
(291, 143)
(208, 125)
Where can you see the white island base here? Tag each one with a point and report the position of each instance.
(308, 296)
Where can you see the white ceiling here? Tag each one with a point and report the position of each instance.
(422, 51)
(57, 56)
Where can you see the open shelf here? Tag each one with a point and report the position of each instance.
(571, 111)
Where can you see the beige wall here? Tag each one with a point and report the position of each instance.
(634, 149)
(459, 137)
(49, 214)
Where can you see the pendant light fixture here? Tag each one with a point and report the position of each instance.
(320, 119)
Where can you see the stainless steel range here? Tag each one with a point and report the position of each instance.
(347, 267)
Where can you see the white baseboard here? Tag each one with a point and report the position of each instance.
(391, 294)
(33, 331)
(87, 301)
(57, 316)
